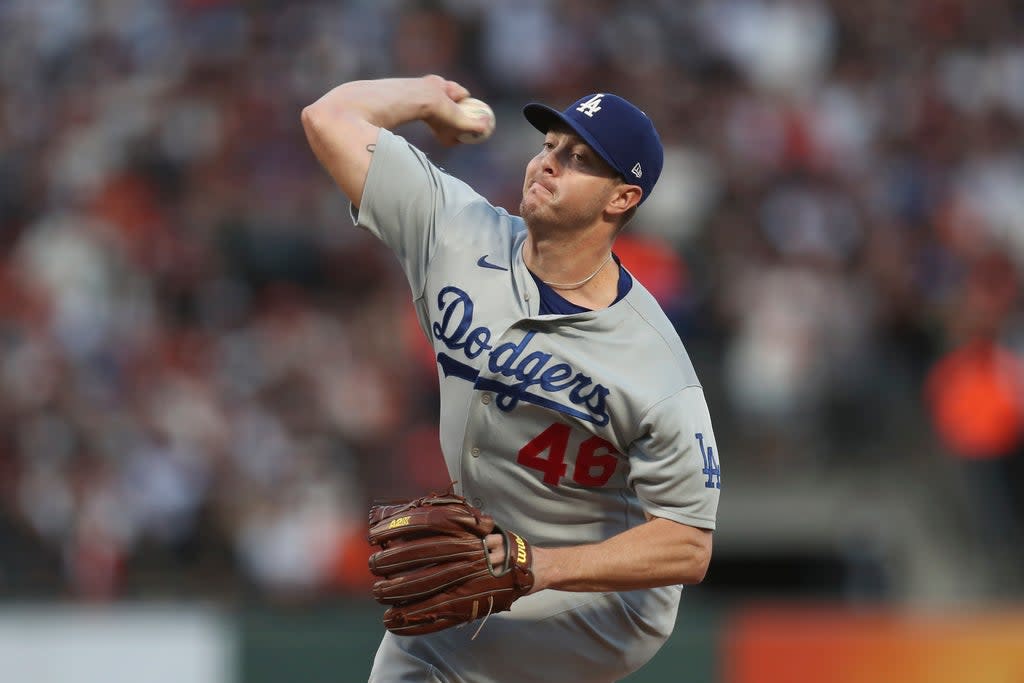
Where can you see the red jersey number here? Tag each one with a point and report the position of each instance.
(595, 463)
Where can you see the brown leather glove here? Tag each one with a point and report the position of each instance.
(434, 568)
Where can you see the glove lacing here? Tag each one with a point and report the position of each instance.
(490, 607)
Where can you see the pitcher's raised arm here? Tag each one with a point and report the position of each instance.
(342, 126)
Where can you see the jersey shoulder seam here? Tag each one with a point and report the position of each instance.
(677, 356)
(478, 199)
(682, 357)
(651, 325)
(661, 400)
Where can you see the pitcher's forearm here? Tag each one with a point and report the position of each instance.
(658, 553)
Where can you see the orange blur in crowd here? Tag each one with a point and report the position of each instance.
(976, 395)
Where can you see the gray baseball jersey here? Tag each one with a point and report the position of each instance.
(565, 428)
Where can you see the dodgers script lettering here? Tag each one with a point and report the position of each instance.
(564, 388)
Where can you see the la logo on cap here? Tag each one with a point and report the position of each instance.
(591, 106)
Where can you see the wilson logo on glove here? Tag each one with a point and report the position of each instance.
(520, 549)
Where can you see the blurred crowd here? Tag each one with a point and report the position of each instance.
(206, 373)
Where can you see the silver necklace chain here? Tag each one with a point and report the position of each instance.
(577, 285)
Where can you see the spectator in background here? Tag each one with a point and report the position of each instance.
(975, 393)
(188, 341)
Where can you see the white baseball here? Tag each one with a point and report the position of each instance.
(477, 109)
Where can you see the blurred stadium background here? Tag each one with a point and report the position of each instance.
(206, 374)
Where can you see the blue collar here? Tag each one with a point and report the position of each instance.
(551, 302)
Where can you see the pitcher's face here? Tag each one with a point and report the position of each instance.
(567, 182)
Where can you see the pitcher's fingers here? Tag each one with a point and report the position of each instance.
(495, 544)
(455, 90)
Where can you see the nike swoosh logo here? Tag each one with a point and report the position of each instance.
(484, 263)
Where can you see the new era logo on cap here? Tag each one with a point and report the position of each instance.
(617, 130)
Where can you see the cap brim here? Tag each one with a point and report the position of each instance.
(543, 117)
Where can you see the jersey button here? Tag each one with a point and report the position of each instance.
(485, 399)
(526, 295)
(475, 452)
(477, 502)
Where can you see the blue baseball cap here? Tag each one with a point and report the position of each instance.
(616, 129)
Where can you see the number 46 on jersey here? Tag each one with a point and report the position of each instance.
(596, 458)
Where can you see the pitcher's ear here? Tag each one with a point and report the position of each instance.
(625, 198)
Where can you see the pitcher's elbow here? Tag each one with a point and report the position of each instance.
(697, 567)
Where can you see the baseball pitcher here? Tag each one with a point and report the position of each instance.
(572, 422)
